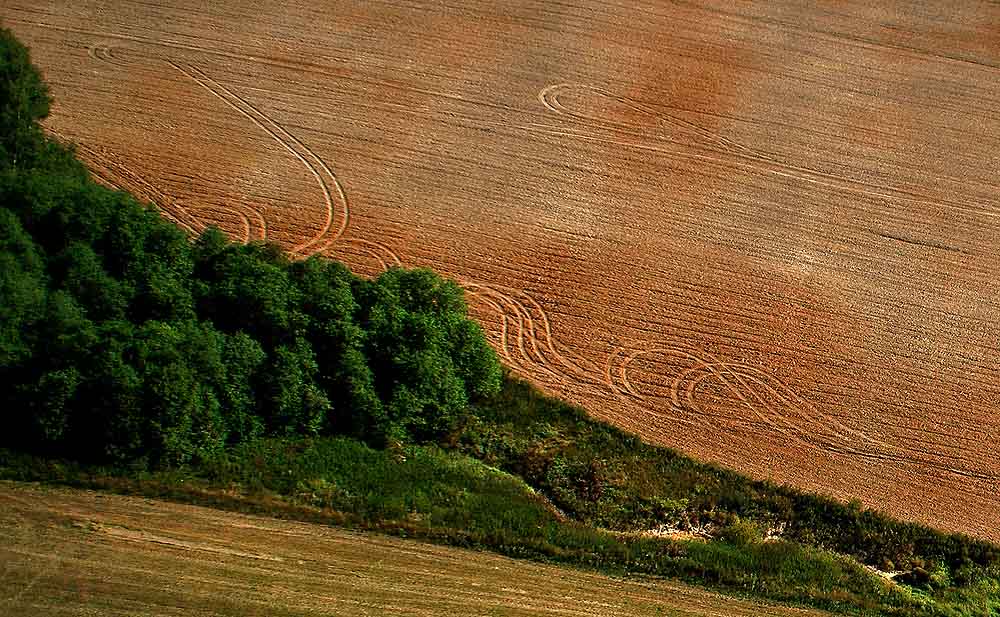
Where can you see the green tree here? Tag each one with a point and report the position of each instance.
(247, 288)
(108, 421)
(295, 403)
(24, 100)
(424, 377)
(51, 407)
(80, 271)
(43, 385)
(122, 341)
(22, 290)
(183, 377)
(243, 358)
(338, 341)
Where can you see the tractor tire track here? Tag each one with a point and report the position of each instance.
(121, 177)
(549, 97)
(104, 52)
(316, 167)
(789, 414)
(537, 352)
(252, 222)
(379, 251)
(748, 157)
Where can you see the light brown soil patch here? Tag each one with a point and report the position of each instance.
(764, 235)
(81, 553)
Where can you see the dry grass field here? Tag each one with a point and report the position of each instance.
(764, 234)
(81, 553)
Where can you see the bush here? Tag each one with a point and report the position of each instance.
(740, 532)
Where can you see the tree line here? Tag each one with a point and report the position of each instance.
(122, 340)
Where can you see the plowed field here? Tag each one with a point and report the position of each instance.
(766, 234)
(80, 553)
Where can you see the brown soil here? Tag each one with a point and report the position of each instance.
(762, 234)
(81, 553)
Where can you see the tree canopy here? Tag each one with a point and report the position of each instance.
(122, 340)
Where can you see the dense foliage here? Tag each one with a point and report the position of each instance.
(121, 340)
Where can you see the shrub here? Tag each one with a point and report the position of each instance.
(740, 532)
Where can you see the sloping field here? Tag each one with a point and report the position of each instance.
(765, 235)
(81, 553)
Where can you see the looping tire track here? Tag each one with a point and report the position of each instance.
(119, 176)
(252, 220)
(549, 98)
(104, 52)
(261, 220)
(218, 214)
(385, 256)
(533, 352)
(773, 404)
(254, 224)
(515, 316)
(330, 186)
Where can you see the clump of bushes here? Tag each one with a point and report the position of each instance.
(740, 532)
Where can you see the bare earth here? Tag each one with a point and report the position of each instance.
(766, 235)
(81, 553)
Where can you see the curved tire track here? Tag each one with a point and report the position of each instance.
(775, 405)
(104, 52)
(121, 177)
(317, 167)
(533, 349)
(744, 156)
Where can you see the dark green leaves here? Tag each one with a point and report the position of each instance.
(121, 340)
(24, 100)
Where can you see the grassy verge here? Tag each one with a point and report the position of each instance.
(426, 492)
(608, 478)
(594, 488)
